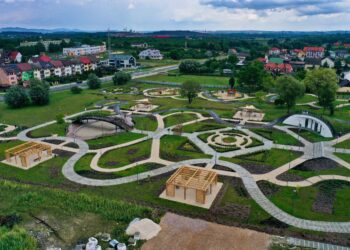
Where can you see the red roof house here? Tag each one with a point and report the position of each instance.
(85, 60)
(283, 68)
(57, 64)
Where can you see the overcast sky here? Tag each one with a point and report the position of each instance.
(148, 15)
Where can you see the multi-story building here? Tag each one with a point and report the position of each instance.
(274, 52)
(45, 43)
(25, 72)
(57, 68)
(139, 45)
(282, 68)
(153, 54)
(84, 50)
(314, 52)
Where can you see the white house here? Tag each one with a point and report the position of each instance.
(153, 54)
(122, 61)
(327, 61)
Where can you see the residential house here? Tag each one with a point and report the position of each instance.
(296, 65)
(139, 45)
(8, 75)
(241, 58)
(274, 52)
(25, 72)
(232, 52)
(338, 54)
(327, 62)
(57, 68)
(67, 70)
(122, 61)
(15, 57)
(41, 58)
(314, 52)
(276, 69)
(152, 54)
(312, 63)
(86, 63)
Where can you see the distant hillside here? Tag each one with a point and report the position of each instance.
(27, 30)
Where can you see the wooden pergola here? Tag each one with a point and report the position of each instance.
(25, 150)
(200, 180)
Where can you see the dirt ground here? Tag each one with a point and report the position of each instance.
(179, 232)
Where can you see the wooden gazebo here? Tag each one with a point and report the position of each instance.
(25, 151)
(200, 180)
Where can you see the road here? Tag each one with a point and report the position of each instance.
(134, 75)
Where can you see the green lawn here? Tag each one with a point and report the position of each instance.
(178, 148)
(334, 171)
(60, 103)
(345, 157)
(124, 156)
(274, 157)
(344, 144)
(202, 126)
(203, 80)
(178, 119)
(277, 136)
(299, 203)
(148, 123)
(82, 167)
(53, 129)
(108, 141)
(312, 136)
(306, 99)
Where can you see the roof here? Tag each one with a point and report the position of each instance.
(194, 178)
(344, 83)
(314, 49)
(13, 55)
(275, 49)
(262, 59)
(313, 61)
(44, 58)
(281, 66)
(57, 64)
(45, 65)
(67, 63)
(24, 67)
(85, 60)
(120, 57)
(10, 68)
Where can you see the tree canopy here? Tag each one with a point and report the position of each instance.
(190, 89)
(323, 83)
(121, 78)
(39, 92)
(289, 90)
(16, 97)
(93, 81)
(251, 77)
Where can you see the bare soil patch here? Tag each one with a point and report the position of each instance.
(180, 232)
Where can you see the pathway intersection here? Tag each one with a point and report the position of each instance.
(309, 150)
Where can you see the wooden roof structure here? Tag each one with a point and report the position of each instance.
(201, 180)
(194, 178)
(25, 150)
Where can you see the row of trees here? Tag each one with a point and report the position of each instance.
(119, 78)
(38, 94)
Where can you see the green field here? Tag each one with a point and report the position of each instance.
(148, 123)
(344, 144)
(203, 80)
(108, 141)
(205, 125)
(53, 129)
(277, 136)
(274, 158)
(124, 156)
(178, 119)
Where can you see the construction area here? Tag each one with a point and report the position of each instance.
(193, 186)
(249, 113)
(28, 155)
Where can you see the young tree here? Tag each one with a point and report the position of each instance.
(16, 97)
(289, 89)
(323, 83)
(93, 81)
(338, 66)
(190, 89)
(121, 78)
(76, 90)
(189, 67)
(232, 82)
(251, 77)
(39, 92)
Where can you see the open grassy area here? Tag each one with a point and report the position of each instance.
(345, 157)
(7, 145)
(83, 168)
(306, 99)
(124, 156)
(53, 129)
(311, 136)
(60, 103)
(148, 123)
(334, 171)
(299, 201)
(277, 136)
(205, 125)
(344, 144)
(108, 141)
(178, 119)
(203, 80)
(178, 148)
(274, 158)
